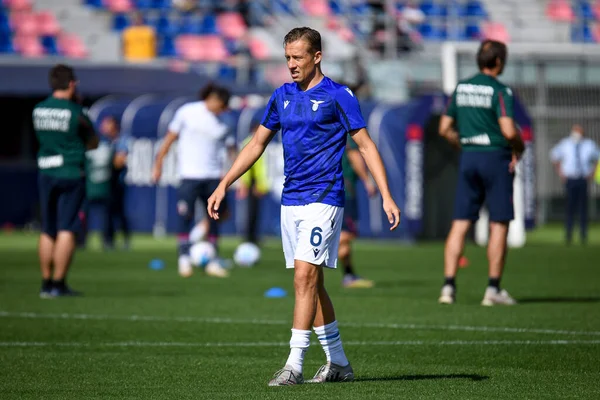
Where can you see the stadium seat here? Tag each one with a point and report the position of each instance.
(18, 5)
(191, 25)
(166, 46)
(473, 31)
(50, 46)
(6, 45)
(162, 4)
(433, 9)
(560, 10)
(336, 7)
(231, 25)
(432, 32)
(119, 6)
(258, 49)
(201, 48)
(316, 8)
(71, 46)
(144, 5)
(120, 22)
(95, 3)
(596, 33)
(28, 46)
(582, 33)
(474, 8)
(584, 10)
(168, 25)
(25, 23)
(209, 25)
(48, 24)
(496, 31)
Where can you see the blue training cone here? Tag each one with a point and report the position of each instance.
(156, 264)
(275, 292)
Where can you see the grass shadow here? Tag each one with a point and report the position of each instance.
(472, 377)
(559, 300)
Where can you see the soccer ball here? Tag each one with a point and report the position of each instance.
(202, 253)
(246, 255)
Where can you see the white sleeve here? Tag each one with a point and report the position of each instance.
(220, 131)
(176, 124)
(556, 154)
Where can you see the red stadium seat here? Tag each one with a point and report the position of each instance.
(496, 31)
(231, 25)
(18, 5)
(119, 6)
(48, 25)
(316, 8)
(258, 49)
(28, 46)
(71, 46)
(560, 10)
(25, 23)
(201, 48)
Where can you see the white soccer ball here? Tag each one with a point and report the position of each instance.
(246, 255)
(202, 253)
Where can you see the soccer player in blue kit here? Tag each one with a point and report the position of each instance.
(314, 114)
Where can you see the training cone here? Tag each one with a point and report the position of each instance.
(275, 292)
(156, 264)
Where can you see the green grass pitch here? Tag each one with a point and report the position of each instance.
(145, 334)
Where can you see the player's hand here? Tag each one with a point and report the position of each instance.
(214, 202)
(370, 188)
(156, 173)
(392, 211)
(512, 167)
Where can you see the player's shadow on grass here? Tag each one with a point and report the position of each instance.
(471, 377)
(559, 300)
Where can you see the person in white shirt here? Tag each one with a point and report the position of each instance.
(202, 139)
(575, 158)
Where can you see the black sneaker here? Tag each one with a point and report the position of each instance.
(46, 293)
(64, 291)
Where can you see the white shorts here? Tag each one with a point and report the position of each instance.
(311, 233)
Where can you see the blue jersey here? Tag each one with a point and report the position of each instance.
(314, 124)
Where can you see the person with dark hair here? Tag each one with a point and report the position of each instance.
(105, 186)
(64, 133)
(315, 115)
(482, 109)
(202, 138)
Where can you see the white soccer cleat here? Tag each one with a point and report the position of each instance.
(494, 297)
(448, 295)
(184, 265)
(215, 269)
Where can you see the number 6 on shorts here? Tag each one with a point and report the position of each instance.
(315, 236)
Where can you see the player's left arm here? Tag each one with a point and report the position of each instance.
(595, 160)
(351, 118)
(372, 158)
(446, 128)
(87, 132)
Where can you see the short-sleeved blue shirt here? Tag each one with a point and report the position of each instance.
(314, 124)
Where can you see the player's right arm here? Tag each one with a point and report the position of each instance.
(170, 138)
(175, 126)
(245, 159)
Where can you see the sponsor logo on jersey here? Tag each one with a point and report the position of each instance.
(285, 104)
(50, 162)
(481, 140)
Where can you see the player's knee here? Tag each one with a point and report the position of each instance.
(344, 249)
(306, 278)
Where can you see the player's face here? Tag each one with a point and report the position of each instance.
(215, 105)
(301, 63)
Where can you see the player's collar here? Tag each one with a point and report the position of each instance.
(298, 88)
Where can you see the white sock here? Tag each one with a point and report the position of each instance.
(298, 345)
(330, 339)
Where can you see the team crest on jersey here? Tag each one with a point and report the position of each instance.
(349, 91)
(285, 104)
(316, 103)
